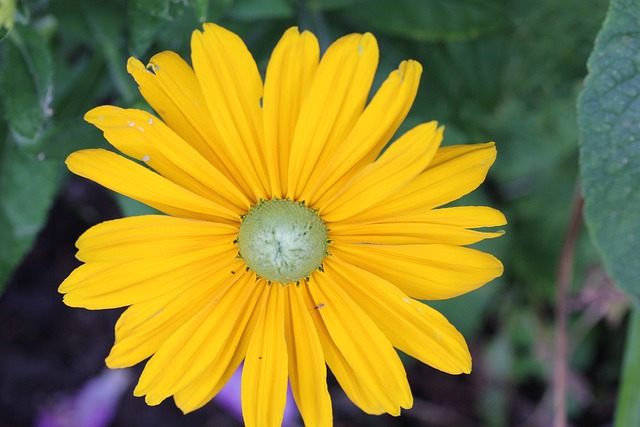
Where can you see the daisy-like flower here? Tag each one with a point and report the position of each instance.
(291, 240)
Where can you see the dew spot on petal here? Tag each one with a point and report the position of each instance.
(146, 158)
(150, 121)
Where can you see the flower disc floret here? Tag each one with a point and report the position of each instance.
(282, 241)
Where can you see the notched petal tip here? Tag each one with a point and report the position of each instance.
(416, 65)
(409, 68)
(368, 45)
(210, 28)
(138, 391)
(368, 40)
(71, 300)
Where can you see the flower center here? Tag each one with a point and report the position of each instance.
(282, 241)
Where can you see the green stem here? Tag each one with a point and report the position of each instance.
(564, 278)
(628, 410)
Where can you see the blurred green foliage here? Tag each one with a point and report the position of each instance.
(506, 70)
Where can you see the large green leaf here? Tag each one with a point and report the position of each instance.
(26, 84)
(28, 183)
(430, 20)
(28, 179)
(608, 113)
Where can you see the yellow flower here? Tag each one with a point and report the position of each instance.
(290, 242)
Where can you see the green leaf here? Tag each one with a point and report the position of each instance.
(608, 111)
(26, 76)
(28, 184)
(430, 20)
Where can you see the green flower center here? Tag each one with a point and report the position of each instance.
(282, 241)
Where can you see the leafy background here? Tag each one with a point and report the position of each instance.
(512, 71)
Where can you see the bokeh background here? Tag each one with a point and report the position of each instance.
(506, 70)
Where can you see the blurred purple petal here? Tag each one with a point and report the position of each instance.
(229, 398)
(94, 405)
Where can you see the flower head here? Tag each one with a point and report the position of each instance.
(291, 240)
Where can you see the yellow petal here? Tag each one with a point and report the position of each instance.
(145, 326)
(118, 284)
(289, 76)
(373, 130)
(170, 86)
(264, 376)
(136, 346)
(307, 369)
(397, 166)
(401, 233)
(229, 77)
(454, 172)
(334, 104)
(349, 380)
(428, 272)
(206, 339)
(140, 135)
(412, 327)
(458, 216)
(202, 389)
(366, 350)
(150, 236)
(132, 180)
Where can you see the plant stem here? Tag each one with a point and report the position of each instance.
(563, 283)
(628, 409)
